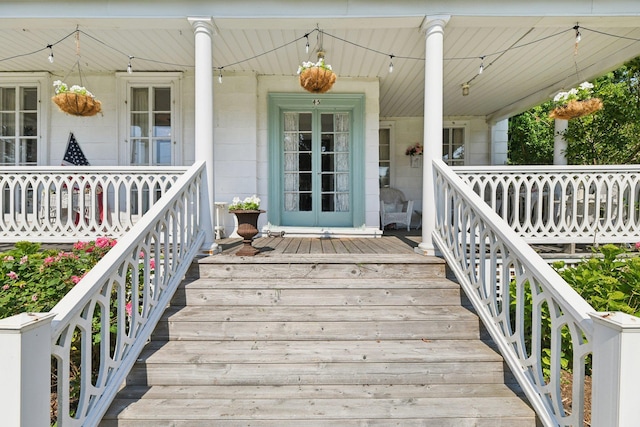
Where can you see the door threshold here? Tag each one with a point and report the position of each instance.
(322, 232)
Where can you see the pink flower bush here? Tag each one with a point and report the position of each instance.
(34, 280)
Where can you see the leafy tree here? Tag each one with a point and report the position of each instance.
(610, 136)
(531, 137)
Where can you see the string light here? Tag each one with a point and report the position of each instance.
(50, 53)
(465, 89)
(391, 63)
(220, 76)
(575, 28)
(481, 69)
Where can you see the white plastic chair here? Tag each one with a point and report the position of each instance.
(395, 208)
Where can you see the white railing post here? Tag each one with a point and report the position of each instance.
(616, 371)
(25, 377)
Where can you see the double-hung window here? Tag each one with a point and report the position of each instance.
(19, 125)
(151, 133)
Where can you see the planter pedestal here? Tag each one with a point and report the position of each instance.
(247, 229)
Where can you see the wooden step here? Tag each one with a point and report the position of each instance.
(310, 323)
(331, 341)
(319, 266)
(317, 362)
(372, 405)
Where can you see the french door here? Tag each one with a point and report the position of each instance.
(316, 168)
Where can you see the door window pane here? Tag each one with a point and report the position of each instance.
(298, 162)
(335, 157)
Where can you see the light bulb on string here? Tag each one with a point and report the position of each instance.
(481, 69)
(465, 89)
(578, 35)
(129, 67)
(50, 53)
(391, 63)
(220, 76)
(306, 47)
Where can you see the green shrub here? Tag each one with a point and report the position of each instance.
(609, 281)
(34, 280)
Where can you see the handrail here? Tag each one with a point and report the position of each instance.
(64, 204)
(111, 313)
(562, 204)
(507, 282)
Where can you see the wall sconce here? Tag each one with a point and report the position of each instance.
(465, 89)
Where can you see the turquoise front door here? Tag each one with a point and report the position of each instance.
(314, 179)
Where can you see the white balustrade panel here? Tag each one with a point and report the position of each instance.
(532, 314)
(62, 204)
(562, 204)
(101, 326)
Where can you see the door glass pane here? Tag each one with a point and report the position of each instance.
(8, 123)
(29, 151)
(298, 162)
(139, 99)
(8, 151)
(140, 124)
(29, 99)
(139, 151)
(7, 99)
(163, 152)
(335, 158)
(29, 124)
(162, 99)
(162, 124)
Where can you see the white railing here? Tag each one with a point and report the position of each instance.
(562, 204)
(101, 326)
(523, 302)
(64, 204)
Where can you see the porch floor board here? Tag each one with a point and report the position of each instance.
(388, 244)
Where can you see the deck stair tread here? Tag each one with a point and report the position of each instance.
(367, 340)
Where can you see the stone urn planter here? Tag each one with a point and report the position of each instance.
(247, 229)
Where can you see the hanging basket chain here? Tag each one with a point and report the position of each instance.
(76, 100)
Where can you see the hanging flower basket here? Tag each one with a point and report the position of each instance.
(77, 104)
(575, 109)
(316, 77)
(76, 100)
(576, 102)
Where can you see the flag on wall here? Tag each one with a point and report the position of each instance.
(74, 156)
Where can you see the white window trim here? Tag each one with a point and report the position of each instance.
(44, 84)
(124, 81)
(465, 127)
(389, 124)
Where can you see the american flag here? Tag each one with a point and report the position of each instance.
(74, 155)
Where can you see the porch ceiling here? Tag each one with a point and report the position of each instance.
(527, 59)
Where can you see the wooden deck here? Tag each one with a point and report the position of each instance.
(388, 244)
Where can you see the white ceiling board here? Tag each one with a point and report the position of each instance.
(356, 47)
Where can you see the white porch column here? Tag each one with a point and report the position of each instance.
(559, 143)
(433, 27)
(204, 30)
(616, 372)
(25, 377)
(500, 142)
